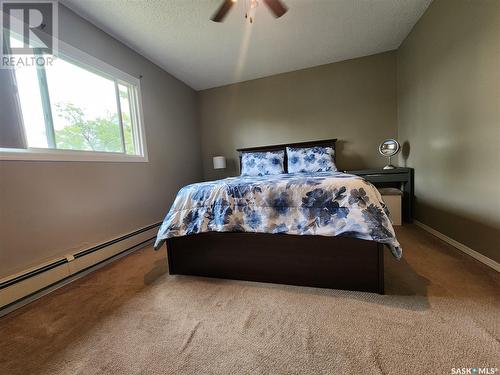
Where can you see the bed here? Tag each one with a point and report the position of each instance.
(325, 229)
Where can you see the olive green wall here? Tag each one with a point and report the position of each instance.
(353, 100)
(439, 94)
(48, 209)
(449, 115)
(446, 100)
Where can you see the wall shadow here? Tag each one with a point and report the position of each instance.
(405, 152)
(345, 162)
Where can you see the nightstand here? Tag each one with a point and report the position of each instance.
(402, 178)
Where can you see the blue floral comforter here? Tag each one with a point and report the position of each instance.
(324, 203)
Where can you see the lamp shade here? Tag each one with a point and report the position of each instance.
(219, 162)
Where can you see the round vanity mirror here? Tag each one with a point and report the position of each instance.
(389, 148)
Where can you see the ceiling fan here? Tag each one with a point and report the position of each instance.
(275, 6)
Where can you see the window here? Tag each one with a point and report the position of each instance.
(78, 108)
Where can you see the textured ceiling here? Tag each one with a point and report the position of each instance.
(178, 35)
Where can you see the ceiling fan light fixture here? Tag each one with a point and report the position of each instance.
(276, 7)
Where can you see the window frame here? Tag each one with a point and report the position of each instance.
(103, 69)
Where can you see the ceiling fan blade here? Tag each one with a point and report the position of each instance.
(277, 7)
(222, 11)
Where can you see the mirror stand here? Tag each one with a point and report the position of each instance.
(389, 166)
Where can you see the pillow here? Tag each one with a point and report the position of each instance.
(262, 163)
(311, 159)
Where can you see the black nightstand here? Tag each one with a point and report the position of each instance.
(402, 178)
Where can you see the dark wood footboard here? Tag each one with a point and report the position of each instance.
(318, 261)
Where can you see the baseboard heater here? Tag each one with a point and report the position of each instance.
(29, 282)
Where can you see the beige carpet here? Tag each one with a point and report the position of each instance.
(441, 311)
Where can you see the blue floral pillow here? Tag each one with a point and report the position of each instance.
(311, 159)
(262, 163)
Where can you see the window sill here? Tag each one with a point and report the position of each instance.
(40, 154)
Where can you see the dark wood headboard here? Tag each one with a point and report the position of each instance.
(321, 143)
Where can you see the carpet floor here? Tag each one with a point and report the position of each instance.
(441, 311)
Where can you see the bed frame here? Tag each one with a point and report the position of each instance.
(317, 261)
